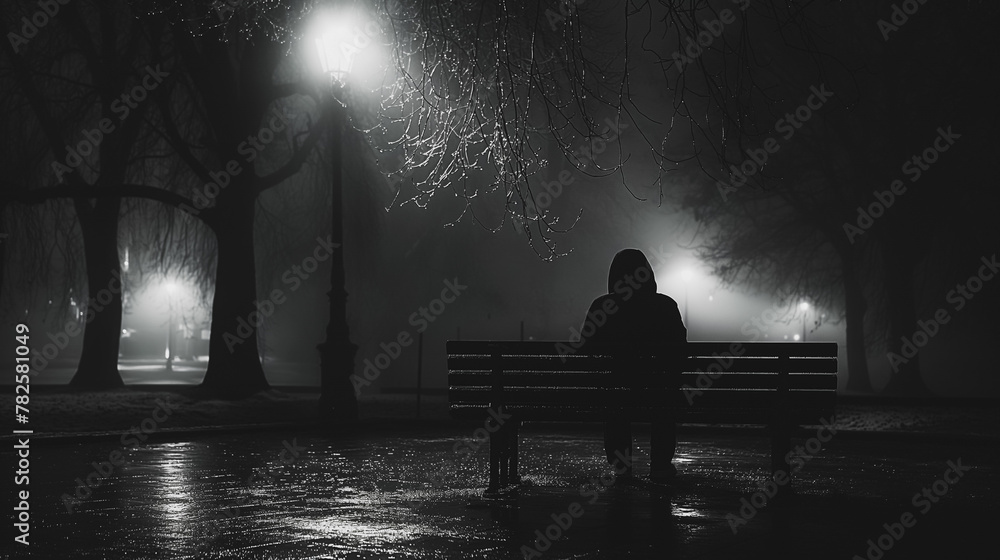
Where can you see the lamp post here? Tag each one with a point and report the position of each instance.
(337, 398)
(170, 326)
(686, 275)
(804, 307)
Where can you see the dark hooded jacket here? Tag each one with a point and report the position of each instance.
(633, 320)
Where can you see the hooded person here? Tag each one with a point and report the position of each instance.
(632, 321)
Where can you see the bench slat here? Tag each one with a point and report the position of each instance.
(695, 348)
(709, 398)
(795, 365)
(764, 349)
(601, 380)
(544, 364)
(530, 363)
(555, 413)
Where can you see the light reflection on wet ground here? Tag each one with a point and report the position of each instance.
(239, 496)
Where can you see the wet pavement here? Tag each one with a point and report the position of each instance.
(409, 491)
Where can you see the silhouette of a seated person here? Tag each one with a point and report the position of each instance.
(637, 322)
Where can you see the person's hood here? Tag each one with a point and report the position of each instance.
(631, 262)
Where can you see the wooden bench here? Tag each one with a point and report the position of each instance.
(778, 384)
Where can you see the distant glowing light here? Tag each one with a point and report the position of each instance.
(804, 306)
(796, 337)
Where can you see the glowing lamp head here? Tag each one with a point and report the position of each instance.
(346, 44)
(339, 37)
(804, 306)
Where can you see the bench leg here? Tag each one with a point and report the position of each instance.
(503, 457)
(504, 435)
(781, 444)
(508, 458)
(496, 451)
(515, 478)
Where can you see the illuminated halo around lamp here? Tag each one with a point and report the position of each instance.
(337, 37)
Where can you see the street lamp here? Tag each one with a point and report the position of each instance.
(338, 37)
(169, 353)
(804, 307)
(686, 275)
(336, 44)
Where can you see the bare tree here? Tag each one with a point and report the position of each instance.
(473, 93)
(69, 78)
(467, 102)
(786, 218)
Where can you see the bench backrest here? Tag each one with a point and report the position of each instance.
(719, 382)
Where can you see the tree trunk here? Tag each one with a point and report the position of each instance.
(234, 368)
(98, 367)
(901, 306)
(4, 240)
(858, 380)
